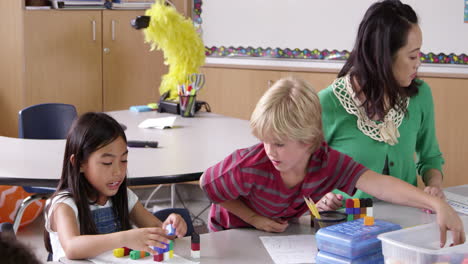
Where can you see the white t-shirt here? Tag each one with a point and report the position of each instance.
(57, 249)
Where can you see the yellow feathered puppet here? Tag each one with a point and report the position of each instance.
(177, 37)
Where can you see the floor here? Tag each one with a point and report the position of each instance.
(191, 196)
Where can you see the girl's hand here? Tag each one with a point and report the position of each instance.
(267, 224)
(178, 223)
(330, 202)
(448, 219)
(142, 238)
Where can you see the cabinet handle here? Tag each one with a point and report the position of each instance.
(113, 29)
(94, 30)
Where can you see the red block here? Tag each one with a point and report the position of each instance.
(158, 257)
(195, 246)
(126, 251)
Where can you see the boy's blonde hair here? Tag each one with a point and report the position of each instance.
(289, 109)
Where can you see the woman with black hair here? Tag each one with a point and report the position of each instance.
(377, 111)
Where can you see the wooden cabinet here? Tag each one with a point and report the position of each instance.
(63, 58)
(92, 59)
(235, 92)
(131, 72)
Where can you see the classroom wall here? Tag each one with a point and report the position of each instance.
(322, 24)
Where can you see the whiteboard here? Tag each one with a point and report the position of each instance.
(322, 24)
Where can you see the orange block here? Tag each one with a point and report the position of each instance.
(368, 220)
(357, 203)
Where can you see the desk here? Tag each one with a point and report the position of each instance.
(244, 245)
(184, 153)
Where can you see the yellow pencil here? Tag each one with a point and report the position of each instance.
(312, 207)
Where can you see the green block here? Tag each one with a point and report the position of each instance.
(350, 217)
(171, 245)
(135, 254)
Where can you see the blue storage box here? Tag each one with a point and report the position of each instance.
(353, 239)
(324, 257)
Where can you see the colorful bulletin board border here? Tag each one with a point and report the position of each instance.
(315, 54)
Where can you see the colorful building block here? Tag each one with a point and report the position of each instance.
(368, 221)
(171, 231)
(195, 246)
(135, 254)
(118, 252)
(158, 257)
(171, 254)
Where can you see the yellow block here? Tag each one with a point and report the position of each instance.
(118, 252)
(368, 220)
(171, 254)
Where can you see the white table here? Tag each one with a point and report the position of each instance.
(184, 153)
(244, 245)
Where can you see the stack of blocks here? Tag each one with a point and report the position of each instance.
(359, 208)
(352, 242)
(167, 252)
(162, 253)
(195, 246)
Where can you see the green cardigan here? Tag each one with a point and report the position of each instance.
(417, 135)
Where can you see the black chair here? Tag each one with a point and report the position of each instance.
(164, 213)
(42, 121)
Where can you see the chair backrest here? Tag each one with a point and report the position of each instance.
(46, 121)
(164, 213)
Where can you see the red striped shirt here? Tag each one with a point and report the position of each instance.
(248, 175)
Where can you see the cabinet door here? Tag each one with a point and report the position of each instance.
(318, 80)
(235, 92)
(63, 58)
(131, 72)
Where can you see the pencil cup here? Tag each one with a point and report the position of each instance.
(328, 218)
(187, 105)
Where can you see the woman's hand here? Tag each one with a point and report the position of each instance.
(448, 219)
(266, 224)
(144, 238)
(330, 202)
(434, 191)
(178, 223)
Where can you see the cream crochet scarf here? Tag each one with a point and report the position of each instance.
(386, 131)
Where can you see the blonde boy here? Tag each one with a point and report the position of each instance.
(263, 186)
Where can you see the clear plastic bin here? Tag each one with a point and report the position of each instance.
(420, 245)
(353, 239)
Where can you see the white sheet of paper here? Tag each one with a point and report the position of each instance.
(160, 123)
(291, 249)
(108, 257)
(458, 202)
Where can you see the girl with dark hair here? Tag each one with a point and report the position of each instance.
(378, 111)
(92, 209)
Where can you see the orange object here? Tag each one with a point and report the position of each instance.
(368, 220)
(10, 201)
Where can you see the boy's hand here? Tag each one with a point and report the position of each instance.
(448, 219)
(330, 202)
(267, 224)
(178, 223)
(143, 238)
